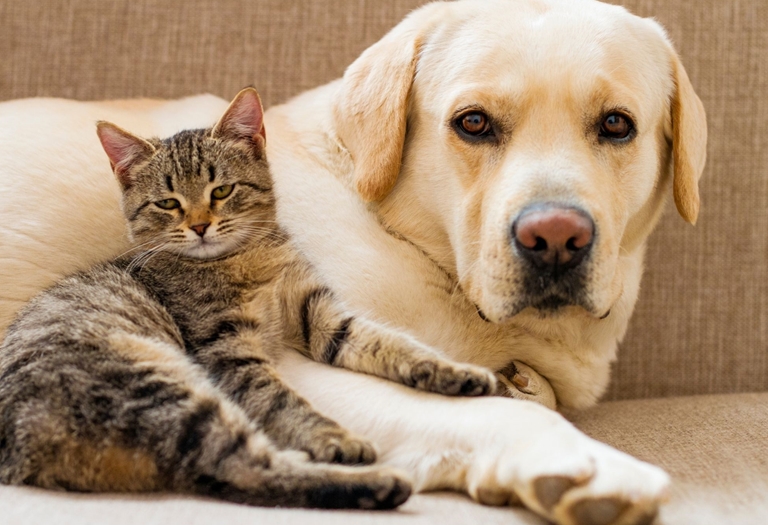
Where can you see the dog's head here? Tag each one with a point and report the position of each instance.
(526, 145)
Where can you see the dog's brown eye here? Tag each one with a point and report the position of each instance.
(475, 124)
(616, 126)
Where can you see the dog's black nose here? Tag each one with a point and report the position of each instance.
(553, 237)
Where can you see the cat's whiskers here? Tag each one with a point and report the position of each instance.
(136, 248)
(269, 236)
(142, 259)
(252, 231)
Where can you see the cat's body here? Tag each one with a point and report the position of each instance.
(152, 372)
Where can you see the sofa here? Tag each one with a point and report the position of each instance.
(690, 388)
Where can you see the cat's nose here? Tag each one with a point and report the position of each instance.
(200, 228)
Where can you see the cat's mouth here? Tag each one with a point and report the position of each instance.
(208, 249)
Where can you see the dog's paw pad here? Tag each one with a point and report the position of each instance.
(497, 497)
(647, 517)
(550, 489)
(599, 511)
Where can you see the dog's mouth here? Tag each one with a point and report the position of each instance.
(549, 302)
(550, 305)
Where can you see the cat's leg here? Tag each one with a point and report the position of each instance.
(331, 334)
(239, 366)
(144, 418)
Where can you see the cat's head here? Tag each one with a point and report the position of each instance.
(201, 193)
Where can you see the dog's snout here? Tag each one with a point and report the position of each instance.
(553, 236)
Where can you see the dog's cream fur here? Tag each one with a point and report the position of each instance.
(410, 224)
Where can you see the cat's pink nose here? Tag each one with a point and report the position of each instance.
(200, 228)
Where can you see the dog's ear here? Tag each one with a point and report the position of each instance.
(370, 110)
(689, 142)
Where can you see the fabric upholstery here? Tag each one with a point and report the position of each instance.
(29, 506)
(712, 446)
(701, 325)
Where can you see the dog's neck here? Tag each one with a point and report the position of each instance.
(402, 216)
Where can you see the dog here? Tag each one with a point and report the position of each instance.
(484, 177)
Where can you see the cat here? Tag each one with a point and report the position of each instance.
(152, 371)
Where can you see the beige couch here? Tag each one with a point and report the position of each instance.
(701, 326)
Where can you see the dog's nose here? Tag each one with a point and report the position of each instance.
(553, 236)
(200, 228)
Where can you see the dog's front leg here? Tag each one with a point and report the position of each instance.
(499, 451)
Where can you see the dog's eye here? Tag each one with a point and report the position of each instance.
(474, 125)
(616, 126)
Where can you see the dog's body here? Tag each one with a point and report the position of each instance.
(409, 220)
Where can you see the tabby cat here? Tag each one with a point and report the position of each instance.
(152, 372)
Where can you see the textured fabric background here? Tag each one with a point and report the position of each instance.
(701, 325)
(713, 447)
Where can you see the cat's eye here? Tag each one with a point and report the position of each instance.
(168, 204)
(222, 192)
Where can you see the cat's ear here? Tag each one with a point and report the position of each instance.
(123, 149)
(243, 120)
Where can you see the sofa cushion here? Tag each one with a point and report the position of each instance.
(714, 447)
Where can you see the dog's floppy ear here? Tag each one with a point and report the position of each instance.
(370, 110)
(689, 142)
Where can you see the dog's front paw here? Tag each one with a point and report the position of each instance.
(570, 479)
(452, 379)
(520, 381)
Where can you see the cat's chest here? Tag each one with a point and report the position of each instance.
(260, 277)
(258, 271)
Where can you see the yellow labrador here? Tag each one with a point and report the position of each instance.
(485, 177)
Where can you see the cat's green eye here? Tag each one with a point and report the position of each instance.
(222, 192)
(168, 204)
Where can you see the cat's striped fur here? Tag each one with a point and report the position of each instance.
(152, 372)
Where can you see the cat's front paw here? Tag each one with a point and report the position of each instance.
(452, 379)
(341, 447)
(368, 488)
(520, 381)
